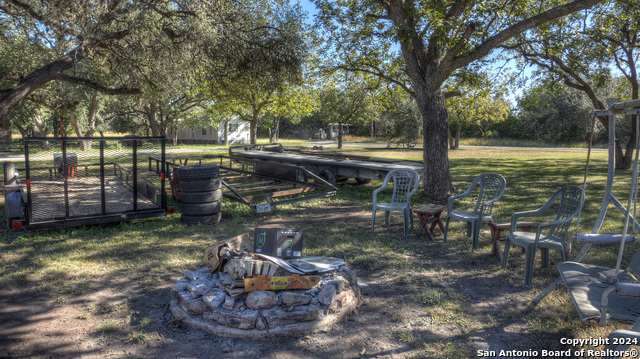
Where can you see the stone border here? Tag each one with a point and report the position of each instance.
(296, 329)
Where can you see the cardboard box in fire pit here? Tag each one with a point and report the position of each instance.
(285, 243)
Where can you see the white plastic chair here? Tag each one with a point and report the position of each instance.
(405, 184)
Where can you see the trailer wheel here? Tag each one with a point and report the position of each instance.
(10, 174)
(194, 220)
(327, 175)
(196, 173)
(200, 197)
(200, 209)
(200, 186)
(360, 181)
(175, 191)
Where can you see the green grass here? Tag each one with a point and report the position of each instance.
(154, 252)
(520, 143)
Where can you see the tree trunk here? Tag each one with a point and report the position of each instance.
(254, 127)
(452, 145)
(174, 135)
(226, 133)
(339, 135)
(152, 116)
(624, 160)
(458, 130)
(23, 131)
(436, 179)
(38, 129)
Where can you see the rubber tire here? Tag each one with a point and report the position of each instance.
(200, 209)
(196, 173)
(327, 175)
(195, 220)
(200, 186)
(9, 173)
(200, 197)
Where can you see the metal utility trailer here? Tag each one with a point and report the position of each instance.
(81, 181)
(261, 185)
(332, 167)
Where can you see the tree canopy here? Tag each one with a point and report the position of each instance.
(267, 59)
(435, 40)
(582, 52)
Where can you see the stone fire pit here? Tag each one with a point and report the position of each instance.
(198, 301)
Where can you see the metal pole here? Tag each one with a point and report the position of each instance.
(103, 194)
(610, 174)
(634, 184)
(135, 174)
(163, 177)
(28, 179)
(65, 174)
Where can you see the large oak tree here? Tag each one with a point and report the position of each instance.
(435, 38)
(122, 40)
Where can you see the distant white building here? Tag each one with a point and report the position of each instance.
(238, 133)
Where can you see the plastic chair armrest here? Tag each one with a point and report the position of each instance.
(453, 198)
(515, 216)
(629, 289)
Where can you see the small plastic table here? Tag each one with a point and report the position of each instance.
(429, 214)
(496, 233)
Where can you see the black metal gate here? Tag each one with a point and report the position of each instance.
(78, 181)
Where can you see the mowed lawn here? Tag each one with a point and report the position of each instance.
(69, 262)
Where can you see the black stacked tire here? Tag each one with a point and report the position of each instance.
(197, 188)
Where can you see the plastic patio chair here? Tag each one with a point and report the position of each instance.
(405, 184)
(492, 186)
(571, 200)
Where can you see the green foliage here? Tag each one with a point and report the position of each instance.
(555, 116)
(480, 105)
(402, 124)
(263, 64)
(350, 100)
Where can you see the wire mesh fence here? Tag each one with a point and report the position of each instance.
(88, 178)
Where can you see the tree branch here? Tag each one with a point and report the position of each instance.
(379, 74)
(452, 93)
(466, 35)
(42, 18)
(98, 87)
(494, 41)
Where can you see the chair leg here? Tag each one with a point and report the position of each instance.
(446, 230)
(373, 219)
(529, 262)
(544, 253)
(476, 235)
(469, 229)
(410, 213)
(386, 218)
(505, 254)
(405, 222)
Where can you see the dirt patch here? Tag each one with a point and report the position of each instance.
(402, 315)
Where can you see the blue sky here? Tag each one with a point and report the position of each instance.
(309, 7)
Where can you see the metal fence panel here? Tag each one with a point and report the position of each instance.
(72, 179)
